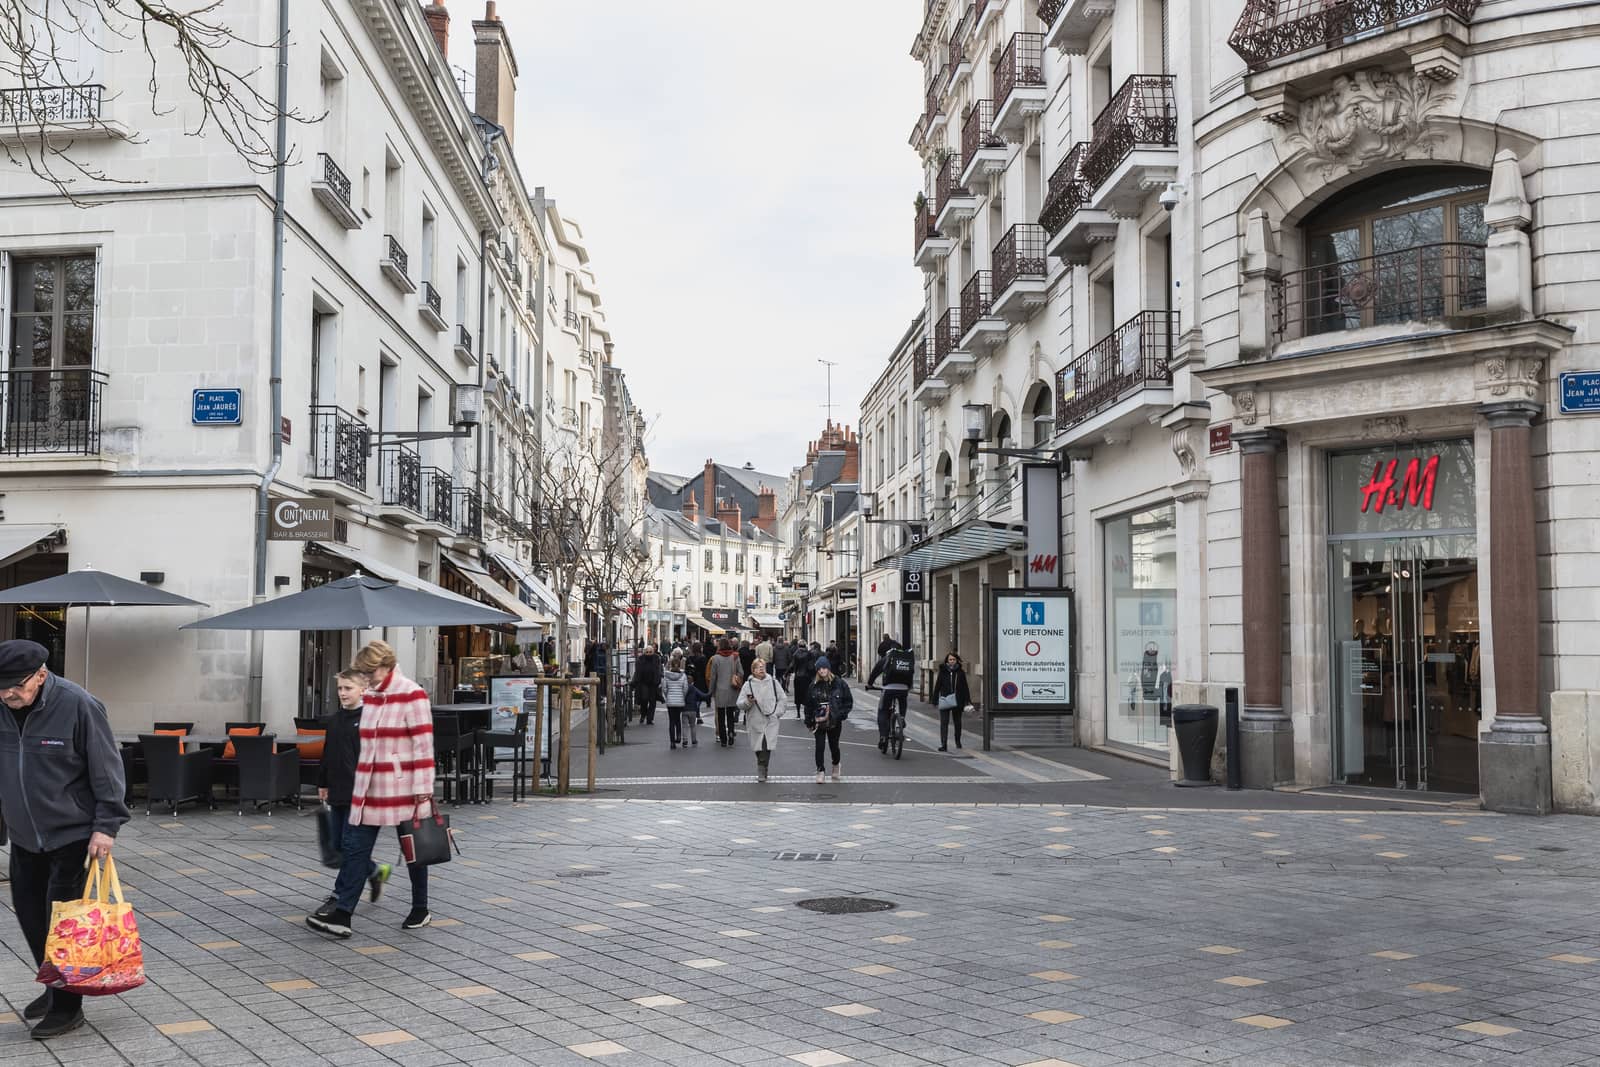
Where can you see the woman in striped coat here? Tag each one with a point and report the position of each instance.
(394, 779)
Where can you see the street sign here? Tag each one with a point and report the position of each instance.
(1030, 646)
(284, 427)
(1580, 392)
(216, 407)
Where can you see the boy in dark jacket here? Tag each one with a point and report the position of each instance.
(828, 703)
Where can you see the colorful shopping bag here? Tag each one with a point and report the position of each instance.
(93, 946)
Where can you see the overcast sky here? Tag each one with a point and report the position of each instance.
(741, 173)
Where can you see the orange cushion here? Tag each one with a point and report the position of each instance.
(240, 731)
(312, 749)
(171, 733)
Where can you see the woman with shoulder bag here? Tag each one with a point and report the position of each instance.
(951, 694)
(762, 704)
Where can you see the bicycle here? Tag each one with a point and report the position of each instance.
(897, 733)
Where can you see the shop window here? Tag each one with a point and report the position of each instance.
(1141, 575)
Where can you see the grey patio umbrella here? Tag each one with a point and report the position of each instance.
(89, 588)
(359, 602)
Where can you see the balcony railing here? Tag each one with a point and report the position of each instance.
(1142, 113)
(922, 363)
(931, 109)
(1049, 9)
(334, 178)
(50, 411)
(468, 513)
(463, 339)
(926, 228)
(571, 319)
(40, 105)
(1067, 191)
(400, 477)
(1022, 63)
(396, 255)
(338, 446)
(947, 183)
(1270, 30)
(976, 296)
(977, 130)
(1426, 283)
(437, 495)
(430, 299)
(1018, 254)
(1135, 355)
(946, 334)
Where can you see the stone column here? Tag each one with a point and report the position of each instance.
(1266, 739)
(1514, 756)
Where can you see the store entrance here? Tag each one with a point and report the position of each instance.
(1407, 680)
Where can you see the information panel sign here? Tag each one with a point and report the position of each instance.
(216, 407)
(508, 695)
(1580, 392)
(1030, 647)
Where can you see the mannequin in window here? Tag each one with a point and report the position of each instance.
(1150, 671)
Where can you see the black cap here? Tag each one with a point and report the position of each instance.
(18, 660)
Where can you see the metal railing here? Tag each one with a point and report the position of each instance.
(926, 227)
(1142, 113)
(338, 446)
(396, 255)
(468, 512)
(947, 182)
(1066, 192)
(1134, 355)
(1018, 254)
(1022, 63)
(334, 178)
(976, 297)
(430, 298)
(400, 477)
(1428, 282)
(43, 104)
(571, 318)
(1270, 30)
(1049, 9)
(463, 339)
(931, 100)
(977, 130)
(437, 496)
(922, 362)
(50, 411)
(946, 334)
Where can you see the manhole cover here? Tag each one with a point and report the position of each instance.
(580, 874)
(822, 857)
(845, 905)
(1553, 848)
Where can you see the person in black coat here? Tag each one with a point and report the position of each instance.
(696, 666)
(803, 668)
(782, 660)
(747, 656)
(647, 683)
(952, 682)
(828, 703)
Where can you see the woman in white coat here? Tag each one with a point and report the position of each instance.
(761, 700)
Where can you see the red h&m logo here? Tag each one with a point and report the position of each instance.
(1042, 564)
(1416, 487)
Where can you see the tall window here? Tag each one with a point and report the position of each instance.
(1141, 576)
(50, 394)
(428, 231)
(393, 202)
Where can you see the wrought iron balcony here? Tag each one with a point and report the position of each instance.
(338, 447)
(981, 327)
(955, 202)
(437, 496)
(1071, 226)
(931, 245)
(1271, 30)
(1019, 271)
(400, 477)
(925, 383)
(44, 105)
(1136, 355)
(468, 513)
(1143, 115)
(50, 411)
(432, 307)
(463, 345)
(982, 150)
(396, 265)
(332, 189)
(951, 362)
(1019, 88)
(571, 318)
(1428, 283)
(1070, 24)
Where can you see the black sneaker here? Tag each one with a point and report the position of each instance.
(416, 919)
(55, 1024)
(883, 744)
(37, 1007)
(375, 883)
(327, 908)
(337, 923)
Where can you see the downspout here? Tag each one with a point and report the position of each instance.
(253, 709)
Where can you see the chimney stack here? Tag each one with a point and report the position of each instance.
(729, 515)
(691, 510)
(766, 509)
(709, 492)
(496, 72)
(438, 20)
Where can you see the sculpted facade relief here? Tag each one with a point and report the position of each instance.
(1370, 116)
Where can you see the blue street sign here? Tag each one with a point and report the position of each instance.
(217, 407)
(1580, 392)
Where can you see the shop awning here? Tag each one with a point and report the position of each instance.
(766, 620)
(16, 541)
(366, 564)
(498, 595)
(970, 541)
(536, 590)
(706, 624)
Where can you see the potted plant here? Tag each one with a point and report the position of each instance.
(921, 204)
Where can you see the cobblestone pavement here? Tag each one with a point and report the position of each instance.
(648, 932)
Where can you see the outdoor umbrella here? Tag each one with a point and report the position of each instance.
(360, 602)
(89, 588)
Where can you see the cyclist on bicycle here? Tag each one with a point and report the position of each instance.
(899, 669)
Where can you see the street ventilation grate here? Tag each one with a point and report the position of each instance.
(845, 905)
(580, 874)
(818, 857)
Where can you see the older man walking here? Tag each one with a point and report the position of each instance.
(62, 798)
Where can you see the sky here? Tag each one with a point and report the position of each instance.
(741, 174)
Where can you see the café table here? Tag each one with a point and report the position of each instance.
(221, 739)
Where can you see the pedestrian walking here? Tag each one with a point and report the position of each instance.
(724, 680)
(951, 694)
(695, 664)
(762, 704)
(62, 796)
(764, 650)
(336, 782)
(393, 783)
(747, 656)
(803, 671)
(828, 704)
(693, 702)
(782, 658)
(647, 684)
(675, 688)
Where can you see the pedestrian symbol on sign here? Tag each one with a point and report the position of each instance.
(1032, 612)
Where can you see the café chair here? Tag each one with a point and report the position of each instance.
(452, 754)
(515, 739)
(311, 751)
(176, 776)
(266, 775)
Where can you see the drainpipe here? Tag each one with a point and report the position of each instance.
(253, 709)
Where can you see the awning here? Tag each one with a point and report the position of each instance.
(17, 541)
(706, 624)
(533, 587)
(766, 620)
(968, 542)
(498, 595)
(368, 565)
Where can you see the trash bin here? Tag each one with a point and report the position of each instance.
(1196, 725)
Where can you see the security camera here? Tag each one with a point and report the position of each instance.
(1169, 196)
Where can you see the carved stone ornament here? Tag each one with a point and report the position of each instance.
(1186, 445)
(1244, 406)
(1370, 116)
(1516, 377)
(1386, 427)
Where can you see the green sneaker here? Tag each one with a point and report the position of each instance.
(377, 880)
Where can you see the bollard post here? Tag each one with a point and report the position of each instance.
(564, 762)
(593, 731)
(1235, 771)
(538, 732)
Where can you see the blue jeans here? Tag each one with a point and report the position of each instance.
(358, 867)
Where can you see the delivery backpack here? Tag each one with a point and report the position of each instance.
(899, 667)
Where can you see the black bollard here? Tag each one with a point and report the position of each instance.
(1235, 771)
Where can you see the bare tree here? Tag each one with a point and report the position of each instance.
(50, 48)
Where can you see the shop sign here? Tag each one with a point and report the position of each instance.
(1580, 392)
(724, 617)
(1041, 514)
(847, 593)
(300, 520)
(1221, 438)
(216, 407)
(1403, 489)
(912, 583)
(1030, 646)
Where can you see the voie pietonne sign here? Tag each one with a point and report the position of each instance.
(1031, 646)
(300, 520)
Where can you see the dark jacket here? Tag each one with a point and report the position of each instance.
(834, 693)
(61, 776)
(886, 644)
(747, 656)
(341, 751)
(647, 670)
(952, 680)
(782, 656)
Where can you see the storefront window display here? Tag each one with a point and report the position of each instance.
(1141, 567)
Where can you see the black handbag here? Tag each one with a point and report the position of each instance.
(426, 841)
(330, 836)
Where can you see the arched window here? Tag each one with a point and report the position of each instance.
(1042, 416)
(1405, 247)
